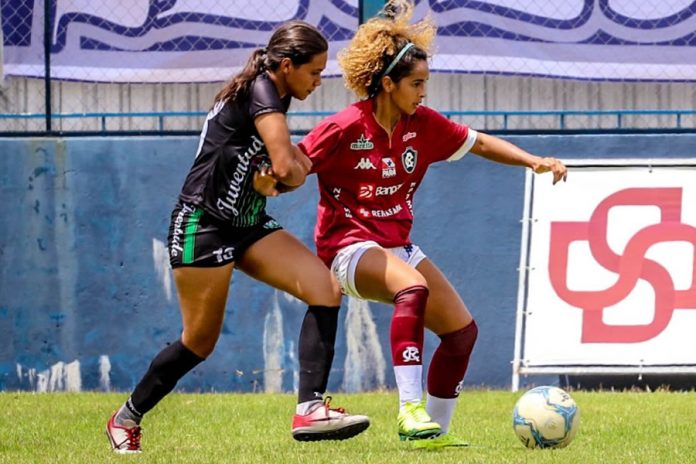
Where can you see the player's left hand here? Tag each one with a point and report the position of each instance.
(264, 182)
(554, 165)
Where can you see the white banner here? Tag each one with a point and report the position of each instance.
(158, 40)
(208, 40)
(612, 268)
(577, 39)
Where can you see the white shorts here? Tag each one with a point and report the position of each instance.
(346, 260)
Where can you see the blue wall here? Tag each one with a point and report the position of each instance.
(86, 299)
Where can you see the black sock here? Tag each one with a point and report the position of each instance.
(317, 339)
(171, 364)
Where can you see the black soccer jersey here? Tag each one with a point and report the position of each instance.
(220, 180)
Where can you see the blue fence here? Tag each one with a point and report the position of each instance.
(616, 120)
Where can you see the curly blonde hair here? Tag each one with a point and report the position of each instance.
(377, 41)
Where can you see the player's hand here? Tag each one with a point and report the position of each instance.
(264, 182)
(553, 165)
(282, 188)
(302, 160)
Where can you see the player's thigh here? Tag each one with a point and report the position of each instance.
(380, 275)
(282, 261)
(445, 311)
(202, 295)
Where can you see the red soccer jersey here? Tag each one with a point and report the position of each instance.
(367, 181)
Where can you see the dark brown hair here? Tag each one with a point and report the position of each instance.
(297, 40)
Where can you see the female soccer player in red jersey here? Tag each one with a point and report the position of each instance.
(370, 158)
(220, 223)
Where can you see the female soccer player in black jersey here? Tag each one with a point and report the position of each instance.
(220, 223)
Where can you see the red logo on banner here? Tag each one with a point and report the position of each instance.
(630, 266)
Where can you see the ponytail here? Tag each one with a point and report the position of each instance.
(297, 40)
(240, 84)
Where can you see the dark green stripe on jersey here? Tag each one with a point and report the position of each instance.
(190, 236)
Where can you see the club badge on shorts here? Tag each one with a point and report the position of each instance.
(409, 158)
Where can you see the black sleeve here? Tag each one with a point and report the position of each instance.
(264, 98)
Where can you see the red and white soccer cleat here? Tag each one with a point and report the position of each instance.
(325, 423)
(124, 439)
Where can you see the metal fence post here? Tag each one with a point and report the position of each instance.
(369, 8)
(47, 61)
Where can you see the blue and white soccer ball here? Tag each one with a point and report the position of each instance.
(546, 417)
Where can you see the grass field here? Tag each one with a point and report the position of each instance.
(626, 427)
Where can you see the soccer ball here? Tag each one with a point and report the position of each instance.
(546, 417)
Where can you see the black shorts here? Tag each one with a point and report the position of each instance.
(197, 239)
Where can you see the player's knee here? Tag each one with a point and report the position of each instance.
(334, 290)
(416, 290)
(460, 342)
(202, 343)
(412, 281)
(325, 292)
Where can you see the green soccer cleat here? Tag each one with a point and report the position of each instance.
(415, 423)
(444, 440)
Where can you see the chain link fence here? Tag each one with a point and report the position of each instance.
(75, 66)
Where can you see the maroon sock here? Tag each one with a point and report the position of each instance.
(450, 361)
(407, 326)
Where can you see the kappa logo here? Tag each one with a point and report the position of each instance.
(362, 144)
(411, 355)
(365, 164)
(336, 193)
(409, 158)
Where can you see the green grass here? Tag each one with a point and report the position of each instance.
(626, 427)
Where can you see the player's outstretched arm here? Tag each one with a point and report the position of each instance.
(502, 151)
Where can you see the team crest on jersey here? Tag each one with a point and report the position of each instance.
(388, 168)
(409, 158)
(362, 144)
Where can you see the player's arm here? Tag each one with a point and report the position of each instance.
(266, 183)
(502, 151)
(287, 167)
